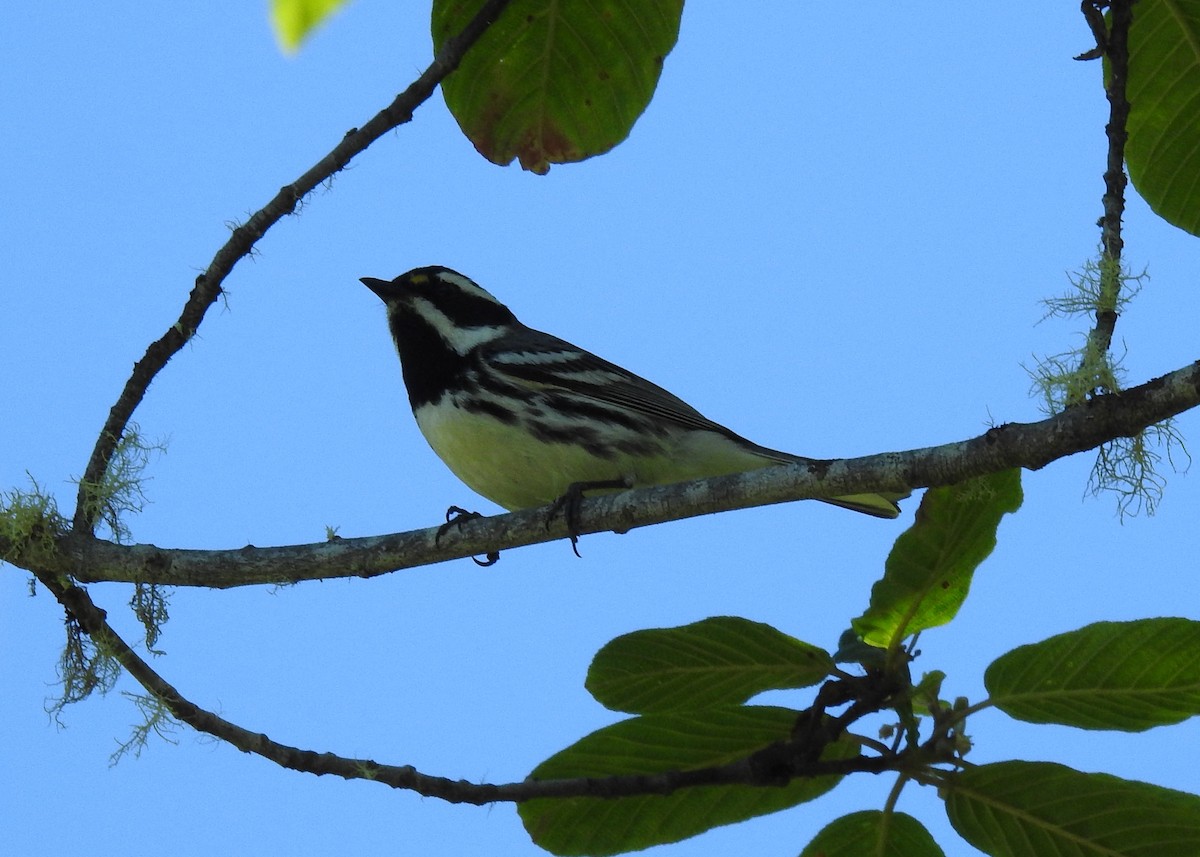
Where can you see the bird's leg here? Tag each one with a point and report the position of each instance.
(456, 517)
(568, 505)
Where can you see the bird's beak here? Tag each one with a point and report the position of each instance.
(387, 290)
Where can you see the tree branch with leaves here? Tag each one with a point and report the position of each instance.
(693, 752)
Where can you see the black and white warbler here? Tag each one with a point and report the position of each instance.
(522, 417)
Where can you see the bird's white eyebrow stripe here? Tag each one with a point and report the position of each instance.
(467, 286)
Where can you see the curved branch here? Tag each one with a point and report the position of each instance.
(1028, 445)
(208, 284)
(762, 768)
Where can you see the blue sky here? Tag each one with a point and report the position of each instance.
(829, 232)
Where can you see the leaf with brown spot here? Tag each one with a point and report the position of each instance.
(553, 82)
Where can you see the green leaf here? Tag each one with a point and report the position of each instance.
(717, 661)
(1110, 675)
(1039, 809)
(657, 743)
(929, 569)
(873, 834)
(553, 82)
(1163, 151)
(926, 695)
(294, 20)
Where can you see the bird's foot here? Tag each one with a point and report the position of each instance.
(568, 505)
(456, 517)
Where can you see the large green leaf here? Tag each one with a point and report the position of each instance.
(1110, 675)
(1163, 151)
(657, 743)
(717, 661)
(1038, 809)
(294, 20)
(553, 81)
(873, 834)
(929, 569)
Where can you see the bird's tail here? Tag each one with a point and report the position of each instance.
(882, 505)
(879, 505)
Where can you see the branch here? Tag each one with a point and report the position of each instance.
(1117, 52)
(765, 767)
(1115, 43)
(1093, 13)
(1029, 445)
(240, 244)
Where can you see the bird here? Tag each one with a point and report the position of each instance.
(524, 418)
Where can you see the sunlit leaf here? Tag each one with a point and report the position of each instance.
(928, 572)
(294, 20)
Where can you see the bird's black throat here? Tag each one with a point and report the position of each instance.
(430, 366)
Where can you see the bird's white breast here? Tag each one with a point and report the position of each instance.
(505, 463)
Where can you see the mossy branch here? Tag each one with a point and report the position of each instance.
(120, 491)
(1030, 445)
(30, 527)
(1125, 465)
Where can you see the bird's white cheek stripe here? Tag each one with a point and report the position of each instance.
(460, 339)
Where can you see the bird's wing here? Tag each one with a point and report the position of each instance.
(539, 361)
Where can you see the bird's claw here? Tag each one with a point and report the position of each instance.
(456, 516)
(568, 505)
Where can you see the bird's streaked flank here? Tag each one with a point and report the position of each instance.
(524, 418)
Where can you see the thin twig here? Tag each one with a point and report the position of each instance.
(1093, 13)
(1116, 49)
(240, 244)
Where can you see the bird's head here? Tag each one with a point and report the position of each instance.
(436, 302)
(437, 318)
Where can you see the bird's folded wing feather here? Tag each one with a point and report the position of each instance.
(540, 362)
(545, 362)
